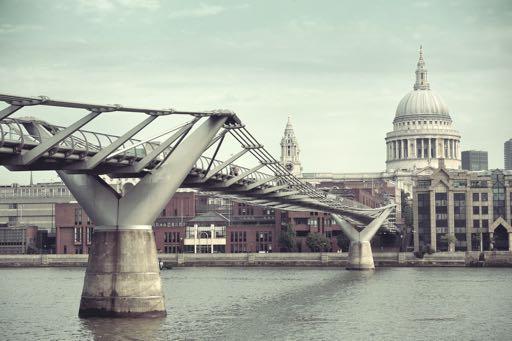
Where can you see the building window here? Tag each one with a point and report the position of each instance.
(313, 222)
(476, 210)
(90, 231)
(264, 241)
(476, 196)
(498, 194)
(78, 235)
(459, 209)
(441, 209)
(485, 197)
(78, 216)
(485, 210)
(476, 223)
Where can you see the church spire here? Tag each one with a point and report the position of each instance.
(290, 150)
(421, 74)
(289, 123)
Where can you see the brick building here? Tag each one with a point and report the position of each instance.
(74, 229)
(185, 225)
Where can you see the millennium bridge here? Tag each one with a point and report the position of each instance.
(122, 276)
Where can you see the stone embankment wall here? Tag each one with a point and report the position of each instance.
(382, 259)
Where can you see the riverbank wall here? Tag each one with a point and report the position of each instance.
(323, 259)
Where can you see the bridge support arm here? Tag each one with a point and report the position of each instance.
(360, 256)
(350, 232)
(9, 111)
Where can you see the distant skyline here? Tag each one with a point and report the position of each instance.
(338, 67)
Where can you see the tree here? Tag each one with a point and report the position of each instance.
(342, 242)
(450, 239)
(317, 242)
(287, 239)
(406, 209)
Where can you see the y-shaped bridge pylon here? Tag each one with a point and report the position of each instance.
(360, 255)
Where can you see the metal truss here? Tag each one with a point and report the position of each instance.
(30, 144)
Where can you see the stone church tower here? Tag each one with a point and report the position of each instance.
(290, 151)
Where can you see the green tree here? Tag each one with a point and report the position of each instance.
(317, 242)
(342, 242)
(450, 239)
(287, 239)
(406, 209)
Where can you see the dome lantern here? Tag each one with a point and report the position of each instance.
(421, 74)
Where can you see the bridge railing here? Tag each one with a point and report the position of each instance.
(275, 186)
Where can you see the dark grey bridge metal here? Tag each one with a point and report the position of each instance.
(122, 277)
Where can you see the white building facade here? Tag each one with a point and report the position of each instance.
(423, 131)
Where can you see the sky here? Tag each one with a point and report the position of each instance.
(339, 68)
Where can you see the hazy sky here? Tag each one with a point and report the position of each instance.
(338, 67)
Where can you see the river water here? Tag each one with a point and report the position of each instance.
(273, 303)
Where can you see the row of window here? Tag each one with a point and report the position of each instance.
(313, 222)
(484, 210)
(238, 236)
(171, 249)
(478, 196)
(171, 224)
(79, 217)
(34, 192)
(265, 236)
(171, 237)
(238, 248)
(420, 123)
(78, 234)
(442, 222)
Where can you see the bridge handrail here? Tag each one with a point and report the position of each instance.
(281, 183)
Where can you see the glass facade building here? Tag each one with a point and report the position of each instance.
(474, 160)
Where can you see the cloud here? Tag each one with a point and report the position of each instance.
(9, 28)
(109, 5)
(202, 11)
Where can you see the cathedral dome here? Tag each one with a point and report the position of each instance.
(423, 133)
(421, 102)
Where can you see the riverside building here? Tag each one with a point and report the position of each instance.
(32, 205)
(456, 210)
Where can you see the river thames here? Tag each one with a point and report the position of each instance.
(273, 303)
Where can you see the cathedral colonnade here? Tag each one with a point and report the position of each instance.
(423, 148)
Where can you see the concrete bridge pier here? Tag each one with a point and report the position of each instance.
(123, 277)
(360, 255)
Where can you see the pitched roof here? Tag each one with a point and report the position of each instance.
(209, 217)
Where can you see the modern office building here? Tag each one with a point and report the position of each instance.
(507, 152)
(18, 240)
(463, 211)
(32, 205)
(474, 160)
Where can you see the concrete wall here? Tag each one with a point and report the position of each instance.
(381, 259)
